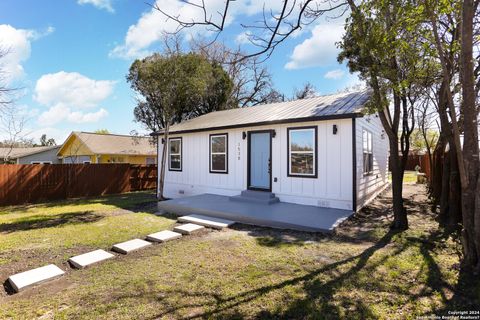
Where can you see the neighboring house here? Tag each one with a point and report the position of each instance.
(87, 147)
(33, 155)
(320, 151)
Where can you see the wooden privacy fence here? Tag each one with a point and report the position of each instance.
(28, 183)
(420, 160)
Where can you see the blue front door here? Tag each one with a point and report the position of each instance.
(259, 160)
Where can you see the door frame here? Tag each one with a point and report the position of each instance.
(249, 133)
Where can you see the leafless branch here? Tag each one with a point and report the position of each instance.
(272, 30)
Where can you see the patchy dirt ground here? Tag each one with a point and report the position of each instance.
(363, 271)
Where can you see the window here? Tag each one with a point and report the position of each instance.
(219, 153)
(117, 159)
(302, 152)
(175, 154)
(41, 162)
(367, 152)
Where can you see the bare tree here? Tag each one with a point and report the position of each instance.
(272, 30)
(252, 82)
(12, 119)
(12, 127)
(308, 90)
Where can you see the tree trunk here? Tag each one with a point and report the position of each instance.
(454, 217)
(400, 221)
(471, 212)
(437, 172)
(161, 182)
(444, 190)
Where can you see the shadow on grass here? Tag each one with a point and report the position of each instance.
(48, 221)
(325, 293)
(135, 201)
(319, 298)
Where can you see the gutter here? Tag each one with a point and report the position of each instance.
(264, 123)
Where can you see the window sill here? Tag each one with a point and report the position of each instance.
(301, 176)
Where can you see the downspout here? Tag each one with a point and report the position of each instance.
(354, 165)
(159, 162)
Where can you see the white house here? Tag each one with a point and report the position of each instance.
(319, 152)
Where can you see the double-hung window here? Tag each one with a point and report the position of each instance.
(367, 152)
(219, 153)
(175, 154)
(302, 152)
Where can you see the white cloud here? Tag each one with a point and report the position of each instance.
(16, 43)
(67, 94)
(72, 89)
(334, 74)
(152, 25)
(318, 50)
(100, 4)
(242, 38)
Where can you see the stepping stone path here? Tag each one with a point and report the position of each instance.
(90, 258)
(210, 222)
(188, 228)
(32, 277)
(195, 223)
(163, 236)
(129, 246)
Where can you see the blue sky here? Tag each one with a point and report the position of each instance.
(70, 57)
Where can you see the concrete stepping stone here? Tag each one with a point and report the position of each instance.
(163, 236)
(23, 280)
(131, 245)
(188, 228)
(210, 222)
(90, 258)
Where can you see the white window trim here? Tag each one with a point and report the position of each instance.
(369, 150)
(175, 154)
(225, 136)
(313, 152)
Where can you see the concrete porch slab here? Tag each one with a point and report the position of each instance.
(131, 245)
(163, 236)
(89, 258)
(188, 228)
(281, 215)
(23, 280)
(210, 222)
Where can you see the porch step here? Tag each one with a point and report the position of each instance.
(210, 222)
(33, 277)
(259, 197)
(257, 194)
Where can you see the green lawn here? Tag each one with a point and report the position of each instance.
(408, 177)
(362, 272)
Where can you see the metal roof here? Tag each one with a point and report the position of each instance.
(342, 105)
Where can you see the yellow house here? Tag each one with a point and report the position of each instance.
(88, 147)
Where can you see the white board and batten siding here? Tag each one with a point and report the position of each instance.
(370, 185)
(332, 187)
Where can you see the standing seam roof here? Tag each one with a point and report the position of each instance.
(342, 104)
